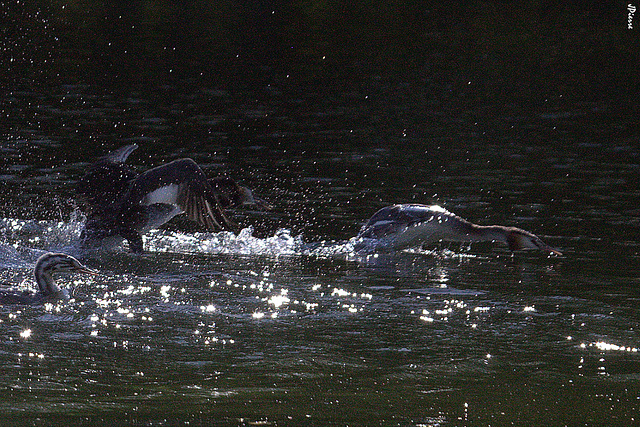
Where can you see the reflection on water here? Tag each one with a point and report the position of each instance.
(282, 324)
(250, 330)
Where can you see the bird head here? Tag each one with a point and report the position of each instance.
(52, 263)
(62, 263)
(518, 239)
(232, 195)
(247, 198)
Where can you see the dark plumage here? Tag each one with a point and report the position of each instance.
(122, 204)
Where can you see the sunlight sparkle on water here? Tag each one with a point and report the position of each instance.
(52, 307)
(106, 301)
(344, 293)
(309, 306)
(604, 346)
(340, 292)
(26, 333)
(426, 316)
(279, 300)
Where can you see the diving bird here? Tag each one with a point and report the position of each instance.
(122, 204)
(46, 266)
(399, 227)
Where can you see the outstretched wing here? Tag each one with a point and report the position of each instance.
(106, 181)
(182, 184)
(120, 155)
(203, 208)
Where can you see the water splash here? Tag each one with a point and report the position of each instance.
(22, 241)
(281, 243)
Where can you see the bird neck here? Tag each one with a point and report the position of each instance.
(46, 284)
(484, 233)
(452, 227)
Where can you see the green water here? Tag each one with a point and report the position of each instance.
(501, 116)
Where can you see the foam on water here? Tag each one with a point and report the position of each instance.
(225, 242)
(22, 241)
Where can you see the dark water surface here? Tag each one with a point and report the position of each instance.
(258, 329)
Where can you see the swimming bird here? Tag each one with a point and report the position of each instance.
(46, 266)
(399, 227)
(123, 204)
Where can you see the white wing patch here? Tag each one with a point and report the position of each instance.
(167, 195)
(436, 208)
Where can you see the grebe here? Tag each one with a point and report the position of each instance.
(47, 265)
(123, 204)
(404, 226)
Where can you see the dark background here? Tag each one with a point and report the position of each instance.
(514, 113)
(458, 54)
(275, 92)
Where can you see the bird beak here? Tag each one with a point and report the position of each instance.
(87, 270)
(252, 200)
(554, 251)
(544, 247)
(262, 204)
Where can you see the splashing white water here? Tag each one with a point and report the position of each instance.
(22, 241)
(281, 243)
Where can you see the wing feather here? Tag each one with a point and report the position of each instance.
(203, 208)
(183, 184)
